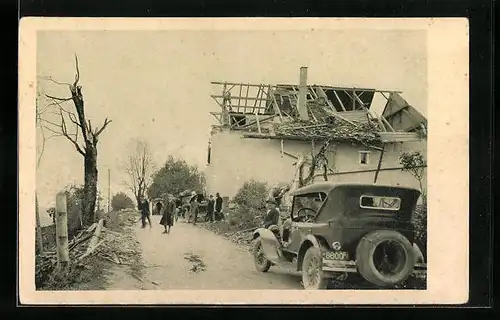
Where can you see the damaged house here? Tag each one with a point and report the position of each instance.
(265, 131)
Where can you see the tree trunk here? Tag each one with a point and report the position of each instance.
(90, 186)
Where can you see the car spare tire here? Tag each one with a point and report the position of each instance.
(385, 258)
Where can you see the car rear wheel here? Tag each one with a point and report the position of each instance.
(313, 277)
(260, 260)
(385, 258)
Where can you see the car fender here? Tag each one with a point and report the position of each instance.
(310, 241)
(258, 231)
(270, 245)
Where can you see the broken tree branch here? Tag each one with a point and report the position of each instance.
(57, 98)
(99, 131)
(95, 237)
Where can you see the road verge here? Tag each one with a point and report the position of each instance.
(93, 254)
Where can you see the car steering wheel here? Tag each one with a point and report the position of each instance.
(307, 215)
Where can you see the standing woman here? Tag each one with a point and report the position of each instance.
(160, 209)
(167, 220)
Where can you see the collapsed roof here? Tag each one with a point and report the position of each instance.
(318, 112)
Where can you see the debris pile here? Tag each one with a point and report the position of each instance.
(196, 261)
(120, 248)
(96, 243)
(364, 133)
(240, 237)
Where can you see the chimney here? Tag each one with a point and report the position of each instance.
(301, 103)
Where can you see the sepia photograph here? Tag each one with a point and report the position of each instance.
(219, 158)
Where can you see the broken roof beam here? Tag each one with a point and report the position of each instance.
(241, 114)
(242, 98)
(239, 96)
(277, 108)
(246, 99)
(236, 124)
(236, 84)
(255, 121)
(218, 102)
(356, 89)
(384, 120)
(313, 92)
(340, 101)
(217, 116)
(337, 114)
(352, 98)
(255, 102)
(289, 86)
(359, 99)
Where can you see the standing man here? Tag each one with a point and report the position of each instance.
(211, 208)
(144, 207)
(194, 207)
(218, 205)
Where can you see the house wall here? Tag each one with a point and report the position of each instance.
(235, 160)
(346, 162)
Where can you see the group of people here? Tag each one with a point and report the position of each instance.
(214, 208)
(168, 210)
(171, 209)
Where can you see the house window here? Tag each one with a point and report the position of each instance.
(364, 157)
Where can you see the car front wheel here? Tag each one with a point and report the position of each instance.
(313, 277)
(260, 260)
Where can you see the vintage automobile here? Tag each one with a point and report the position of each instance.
(341, 229)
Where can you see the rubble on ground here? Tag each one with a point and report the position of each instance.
(197, 263)
(112, 246)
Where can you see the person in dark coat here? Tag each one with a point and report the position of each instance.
(167, 219)
(211, 208)
(218, 205)
(144, 208)
(272, 215)
(179, 211)
(194, 208)
(159, 209)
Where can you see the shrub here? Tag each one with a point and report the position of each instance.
(419, 220)
(121, 201)
(249, 204)
(252, 194)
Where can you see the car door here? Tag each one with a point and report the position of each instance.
(295, 237)
(296, 234)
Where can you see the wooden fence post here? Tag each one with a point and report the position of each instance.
(62, 230)
(39, 235)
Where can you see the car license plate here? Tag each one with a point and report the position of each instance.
(335, 255)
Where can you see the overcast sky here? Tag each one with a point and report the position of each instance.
(155, 85)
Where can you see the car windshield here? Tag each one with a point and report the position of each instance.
(308, 204)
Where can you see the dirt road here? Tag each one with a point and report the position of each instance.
(191, 257)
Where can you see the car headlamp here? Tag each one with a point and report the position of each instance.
(336, 246)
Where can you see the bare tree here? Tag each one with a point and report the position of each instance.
(75, 127)
(39, 116)
(139, 169)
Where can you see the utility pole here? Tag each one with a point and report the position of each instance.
(109, 190)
